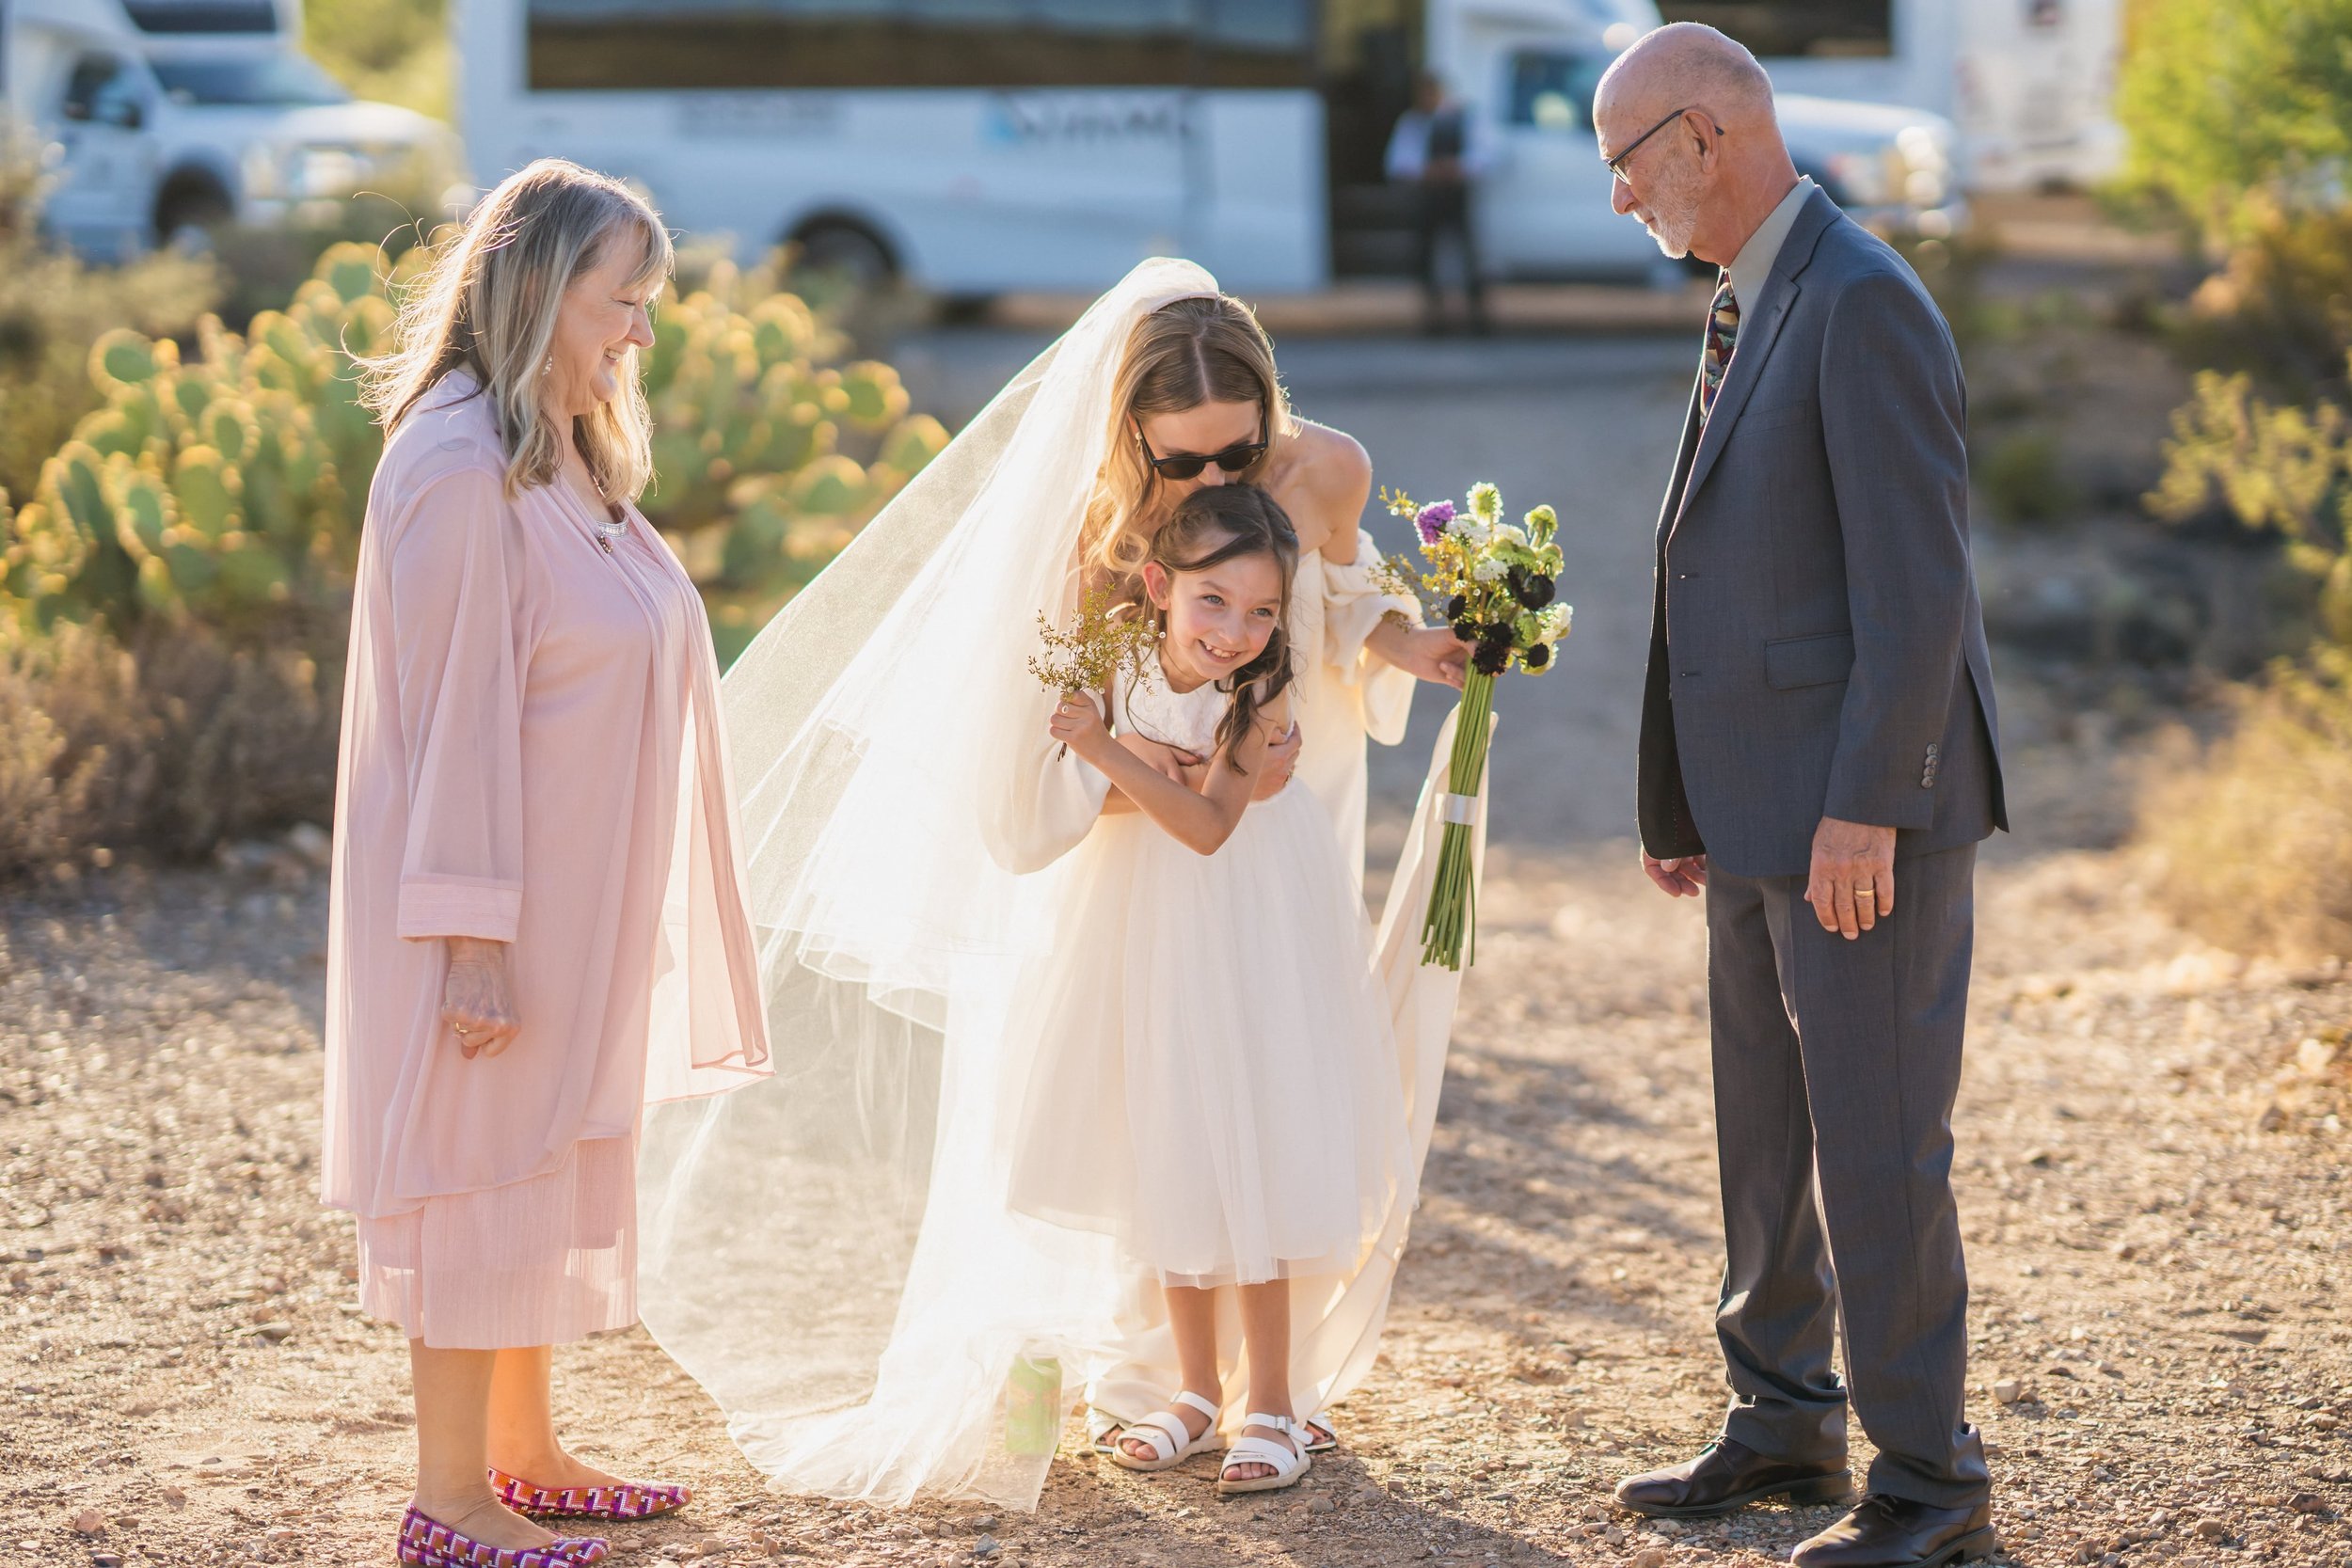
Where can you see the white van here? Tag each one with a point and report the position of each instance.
(977, 147)
(165, 118)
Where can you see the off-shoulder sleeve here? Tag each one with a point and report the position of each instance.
(1356, 596)
(454, 567)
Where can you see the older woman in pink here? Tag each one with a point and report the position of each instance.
(536, 855)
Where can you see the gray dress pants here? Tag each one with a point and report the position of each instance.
(1835, 1067)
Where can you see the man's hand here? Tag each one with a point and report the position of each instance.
(1683, 877)
(1425, 653)
(1853, 885)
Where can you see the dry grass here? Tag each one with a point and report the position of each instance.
(69, 731)
(2253, 839)
(170, 746)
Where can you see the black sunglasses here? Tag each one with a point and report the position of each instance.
(1233, 459)
(1616, 164)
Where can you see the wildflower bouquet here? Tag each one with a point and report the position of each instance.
(1496, 583)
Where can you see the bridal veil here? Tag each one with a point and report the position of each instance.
(828, 1251)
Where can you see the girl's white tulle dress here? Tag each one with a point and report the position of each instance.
(1214, 1084)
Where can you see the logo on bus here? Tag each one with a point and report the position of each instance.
(1036, 118)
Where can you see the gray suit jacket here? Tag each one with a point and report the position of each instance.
(1817, 648)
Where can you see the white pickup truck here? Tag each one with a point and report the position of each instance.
(160, 120)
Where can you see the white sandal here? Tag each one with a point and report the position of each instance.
(1288, 1464)
(1164, 1430)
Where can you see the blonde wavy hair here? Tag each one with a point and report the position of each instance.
(1208, 348)
(488, 304)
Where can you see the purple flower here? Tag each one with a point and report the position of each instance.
(1433, 521)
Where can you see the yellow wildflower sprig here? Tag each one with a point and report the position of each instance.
(1099, 643)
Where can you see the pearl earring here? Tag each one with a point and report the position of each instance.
(548, 369)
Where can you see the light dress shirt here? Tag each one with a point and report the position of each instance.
(1754, 265)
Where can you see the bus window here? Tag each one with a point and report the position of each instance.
(1552, 92)
(619, 45)
(204, 16)
(1783, 29)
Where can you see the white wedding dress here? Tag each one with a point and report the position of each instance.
(841, 1254)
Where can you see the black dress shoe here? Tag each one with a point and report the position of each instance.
(1886, 1531)
(1727, 1476)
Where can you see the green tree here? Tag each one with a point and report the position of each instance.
(2239, 109)
(395, 50)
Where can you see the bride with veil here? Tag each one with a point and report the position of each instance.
(831, 1252)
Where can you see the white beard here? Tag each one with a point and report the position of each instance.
(1671, 215)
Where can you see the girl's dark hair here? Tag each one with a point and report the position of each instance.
(1216, 524)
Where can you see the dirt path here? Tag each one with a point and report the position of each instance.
(2157, 1223)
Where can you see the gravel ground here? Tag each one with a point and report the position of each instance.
(2151, 1174)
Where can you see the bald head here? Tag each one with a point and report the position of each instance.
(1690, 62)
(1687, 114)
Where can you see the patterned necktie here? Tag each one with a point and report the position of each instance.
(1723, 336)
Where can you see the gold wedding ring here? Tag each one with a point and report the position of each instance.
(1869, 892)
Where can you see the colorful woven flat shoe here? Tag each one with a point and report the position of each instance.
(630, 1500)
(426, 1543)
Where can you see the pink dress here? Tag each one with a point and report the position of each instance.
(530, 753)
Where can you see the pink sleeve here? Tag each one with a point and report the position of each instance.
(454, 630)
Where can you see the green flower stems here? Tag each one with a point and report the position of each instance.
(1452, 916)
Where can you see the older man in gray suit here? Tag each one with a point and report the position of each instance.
(1818, 733)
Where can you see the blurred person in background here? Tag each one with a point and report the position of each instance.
(534, 839)
(1437, 148)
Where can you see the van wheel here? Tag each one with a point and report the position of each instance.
(187, 220)
(848, 251)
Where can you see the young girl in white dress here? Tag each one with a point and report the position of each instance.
(1215, 1085)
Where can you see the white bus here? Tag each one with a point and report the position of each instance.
(979, 147)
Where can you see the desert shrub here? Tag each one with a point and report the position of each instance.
(74, 744)
(2024, 478)
(2253, 839)
(2277, 466)
(2279, 307)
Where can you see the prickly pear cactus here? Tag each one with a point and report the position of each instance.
(228, 486)
(769, 456)
(218, 488)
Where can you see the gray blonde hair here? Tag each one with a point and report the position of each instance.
(488, 304)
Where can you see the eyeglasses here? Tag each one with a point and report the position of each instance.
(1233, 459)
(1616, 164)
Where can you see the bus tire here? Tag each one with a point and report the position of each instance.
(848, 249)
